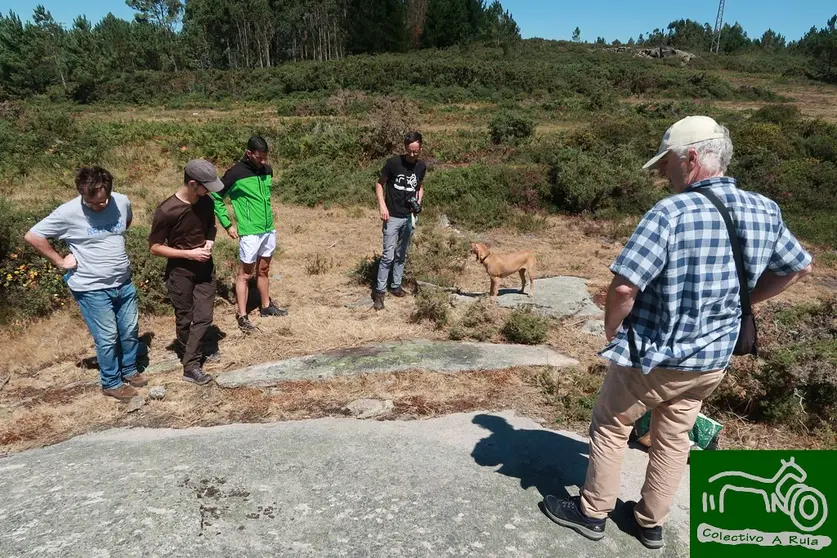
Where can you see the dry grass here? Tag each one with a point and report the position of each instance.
(49, 398)
(415, 395)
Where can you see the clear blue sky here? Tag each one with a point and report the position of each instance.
(556, 19)
(621, 19)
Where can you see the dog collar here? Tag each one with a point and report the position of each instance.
(485, 258)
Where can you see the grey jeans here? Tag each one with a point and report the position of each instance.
(397, 234)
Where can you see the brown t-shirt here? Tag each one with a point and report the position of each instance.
(184, 226)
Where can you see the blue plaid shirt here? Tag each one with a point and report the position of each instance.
(688, 312)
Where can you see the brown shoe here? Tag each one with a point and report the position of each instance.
(137, 380)
(378, 299)
(399, 292)
(123, 393)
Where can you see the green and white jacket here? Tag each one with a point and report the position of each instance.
(249, 190)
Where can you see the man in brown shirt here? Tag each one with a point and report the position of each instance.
(183, 230)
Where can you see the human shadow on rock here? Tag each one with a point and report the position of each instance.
(546, 460)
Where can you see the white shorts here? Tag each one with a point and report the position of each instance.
(253, 246)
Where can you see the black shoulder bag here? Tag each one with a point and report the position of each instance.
(747, 337)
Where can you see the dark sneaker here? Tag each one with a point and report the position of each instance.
(245, 325)
(123, 393)
(399, 292)
(567, 512)
(137, 380)
(196, 376)
(651, 537)
(378, 300)
(272, 310)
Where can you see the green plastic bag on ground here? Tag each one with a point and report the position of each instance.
(703, 435)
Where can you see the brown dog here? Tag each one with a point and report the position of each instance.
(502, 265)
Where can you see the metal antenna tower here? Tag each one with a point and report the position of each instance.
(719, 22)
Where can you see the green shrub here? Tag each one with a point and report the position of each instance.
(30, 286)
(348, 102)
(34, 136)
(510, 126)
(318, 264)
(480, 196)
(526, 327)
(225, 256)
(571, 391)
(389, 121)
(323, 181)
(436, 257)
(480, 323)
(783, 114)
(432, 305)
(366, 271)
(530, 222)
(585, 181)
(327, 139)
(148, 271)
(794, 382)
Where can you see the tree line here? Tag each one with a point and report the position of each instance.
(818, 43)
(78, 61)
(171, 35)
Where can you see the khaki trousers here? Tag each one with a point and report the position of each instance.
(627, 393)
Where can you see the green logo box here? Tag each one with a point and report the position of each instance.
(770, 503)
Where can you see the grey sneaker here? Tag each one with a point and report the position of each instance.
(567, 512)
(244, 324)
(272, 310)
(196, 376)
(378, 300)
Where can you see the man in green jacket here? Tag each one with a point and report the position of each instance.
(248, 184)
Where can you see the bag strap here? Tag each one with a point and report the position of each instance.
(736, 248)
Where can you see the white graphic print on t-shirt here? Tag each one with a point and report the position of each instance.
(406, 183)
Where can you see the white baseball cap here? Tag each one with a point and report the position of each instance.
(688, 131)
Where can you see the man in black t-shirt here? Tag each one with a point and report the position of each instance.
(183, 230)
(399, 190)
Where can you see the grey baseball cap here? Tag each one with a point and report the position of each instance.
(201, 170)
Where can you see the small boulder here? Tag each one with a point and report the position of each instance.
(594, 327)
(368, 408)
(135, 404)
(157, 393)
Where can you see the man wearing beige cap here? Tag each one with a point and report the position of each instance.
(183, 230)
(672, 319)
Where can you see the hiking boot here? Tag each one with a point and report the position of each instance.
(123, 393)
(244, 324)
(137, 380)
(196, 376)
(567, 512)
(399, 292)
(272, 310)
(378, 300)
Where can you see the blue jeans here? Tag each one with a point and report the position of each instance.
(397, 234)
(112, 316)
